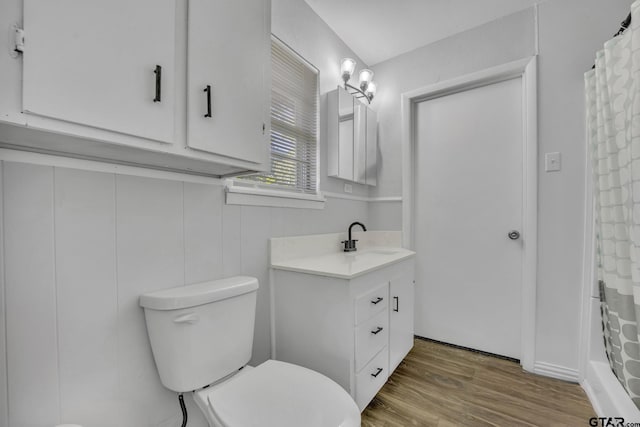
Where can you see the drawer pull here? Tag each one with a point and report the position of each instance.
(397, 301)
(377, 300)
(378, 371)
(208, 92)
(377, 331)
(158, 73)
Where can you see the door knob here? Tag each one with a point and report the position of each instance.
(514, 235)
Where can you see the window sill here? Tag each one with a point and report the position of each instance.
(259, 196)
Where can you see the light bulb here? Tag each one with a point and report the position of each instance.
(347, 68)
(371, 90)
(366, 76)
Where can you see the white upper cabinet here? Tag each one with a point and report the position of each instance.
(371, 150)
(228, 78)
(359, 144)
(180, 85)
(94, 62)
(352, 138)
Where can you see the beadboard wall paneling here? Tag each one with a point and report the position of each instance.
(81, 246)
(4, 409)
(87, 294)
(30, 295)
(149, 256)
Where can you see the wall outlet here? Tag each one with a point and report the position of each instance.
(348, 188)
(552, 162)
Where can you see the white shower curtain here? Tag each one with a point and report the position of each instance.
(613, 119)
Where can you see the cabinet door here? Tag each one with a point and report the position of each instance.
(92, 62)
(360, 144)
(400, 319)
(372, 148)
(346, 134)
(365, 145)
(229, 78)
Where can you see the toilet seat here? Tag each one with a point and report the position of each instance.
(280, 394)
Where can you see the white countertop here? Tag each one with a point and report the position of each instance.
(345, 265)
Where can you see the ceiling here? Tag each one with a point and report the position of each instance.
(377, 30)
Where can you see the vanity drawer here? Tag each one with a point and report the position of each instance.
(371, 336)
(372, 378)
(372, 302)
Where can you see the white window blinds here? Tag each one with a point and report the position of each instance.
(294, 122)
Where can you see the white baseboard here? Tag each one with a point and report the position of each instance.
(556, 371)
(607, 396)
(598, 405)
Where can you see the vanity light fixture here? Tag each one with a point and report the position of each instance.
(347, 68)
(367, 87)
(366, 77)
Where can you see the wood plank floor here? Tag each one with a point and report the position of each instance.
(438, 385)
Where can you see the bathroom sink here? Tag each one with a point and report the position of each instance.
(322, 254)
(373, 252)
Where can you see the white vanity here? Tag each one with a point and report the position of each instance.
(346, 315)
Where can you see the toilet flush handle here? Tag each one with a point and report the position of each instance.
(190, 318)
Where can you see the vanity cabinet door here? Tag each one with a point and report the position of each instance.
(401, 302)
(228, 78)
(94, 62)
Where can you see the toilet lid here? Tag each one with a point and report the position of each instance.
(283, 395)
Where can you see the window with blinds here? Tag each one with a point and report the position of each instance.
(294, 122)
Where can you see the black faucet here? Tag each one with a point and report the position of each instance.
(350, 245)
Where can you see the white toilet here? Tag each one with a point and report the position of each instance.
(201, 336)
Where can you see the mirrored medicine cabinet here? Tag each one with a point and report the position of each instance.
(352, 138)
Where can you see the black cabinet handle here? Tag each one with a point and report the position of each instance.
(377, 331)
(208, 91)
(378, 371)
(397, 301)
(158, 73)
(377, 300)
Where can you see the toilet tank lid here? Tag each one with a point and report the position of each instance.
(199, 293)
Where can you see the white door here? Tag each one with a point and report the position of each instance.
(468, 197)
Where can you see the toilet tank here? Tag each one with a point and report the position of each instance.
(201, 333)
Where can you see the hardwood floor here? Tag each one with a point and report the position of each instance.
(438, 385)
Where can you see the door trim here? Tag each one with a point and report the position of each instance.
(526, 69)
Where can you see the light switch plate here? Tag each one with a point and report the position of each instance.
(552, 162)
(348, 188)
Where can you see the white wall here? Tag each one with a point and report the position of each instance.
(81, 246)
(498, 42)
(302, 29)
(570, 32)
(385, 215)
